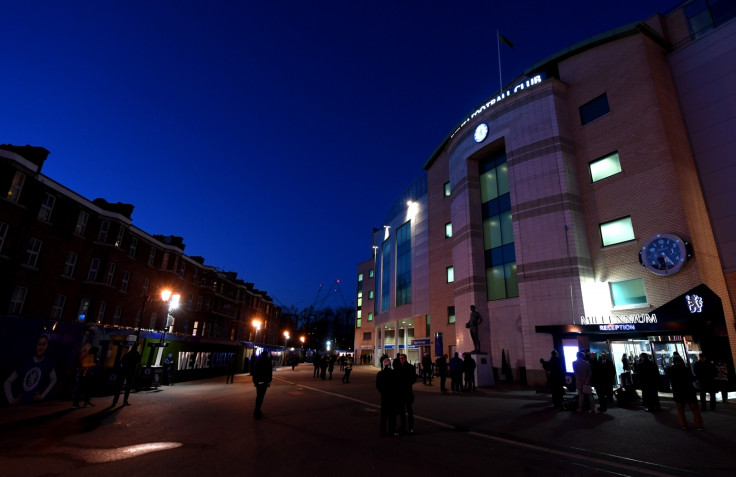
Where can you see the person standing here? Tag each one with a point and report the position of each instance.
(473, 324)
(126, 374)
(262, 376)
(469, 372)
(427, 369)
(387, 385)
(456, 373)
(37, 376)
(407, 375)
(90, 370)
(604, 375)
(706, 373)
(230, 369)
(649, 383)
(331, 365)
(347, 368)
(442, 371)
(683, 392)
(555, 378)
(583, 373)
(315, 363)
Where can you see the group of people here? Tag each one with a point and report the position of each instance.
(395, 384)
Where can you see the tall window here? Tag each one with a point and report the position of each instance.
(104, 229)
(70, 264)
(448, 189)
(125, 281)
(385, 275)
(101, 312)
(370, 316)
(57, 310)
(451, 314)
(47, 206)
(16, 187)
(606, 166)
(403, 264)
(594, 109)
(617, 231)
(133, 247)
(450, 273)
(165, 261)
(117, 315)
(498, 231)
(82, 220)
(34, 249)
(111, 273)
(144, 287)
(151, 256)
(17, 300)
(448, 230)
(94, 267)
(182, 268)
(3, 234)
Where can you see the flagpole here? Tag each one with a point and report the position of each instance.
(498, 43)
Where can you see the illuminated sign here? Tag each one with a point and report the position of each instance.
(509, 92)
(617, 327)
(192, 360)
(618, 319)
(694, 303)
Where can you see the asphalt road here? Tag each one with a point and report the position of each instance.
(319, 428)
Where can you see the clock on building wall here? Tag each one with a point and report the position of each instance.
(665, 254)
(480, 132)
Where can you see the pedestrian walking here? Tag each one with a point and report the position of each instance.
(230, 369)
(683, 392)
(331, 365)
(262, 376)
(555, 378)
(442, 371)
(126, 375)
(583, 374)
(347, 368)
(388, 387)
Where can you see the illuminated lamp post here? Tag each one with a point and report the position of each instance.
(302, 339)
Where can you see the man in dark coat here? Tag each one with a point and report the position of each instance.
(555, 378)
(649, 383)
(387, 385)
(407, 377)
(427, 368)
(442, 371)
(126, 374)
(604, 375)
(683, 392)
(262, 376)
(456, 373)
(706, 373)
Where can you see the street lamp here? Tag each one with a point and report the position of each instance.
(172, 300)
(257, 327)
(286, 338)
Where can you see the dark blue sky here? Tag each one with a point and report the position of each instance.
(272, 136)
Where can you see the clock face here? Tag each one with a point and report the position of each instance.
(664, 254)
(480, 132)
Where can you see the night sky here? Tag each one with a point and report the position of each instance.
(272, 136)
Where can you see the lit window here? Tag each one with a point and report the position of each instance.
(16, 187)
(119, 239)
(605, 167)
(450, 274)
(358, 322)
(360, 277)
(370, 295)
(370, 316)
(448, 190)
(451, 314)
(83, 309)
(594, 109)
(617, 231)
(448, 230)
(628, 293)
(371, 274)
